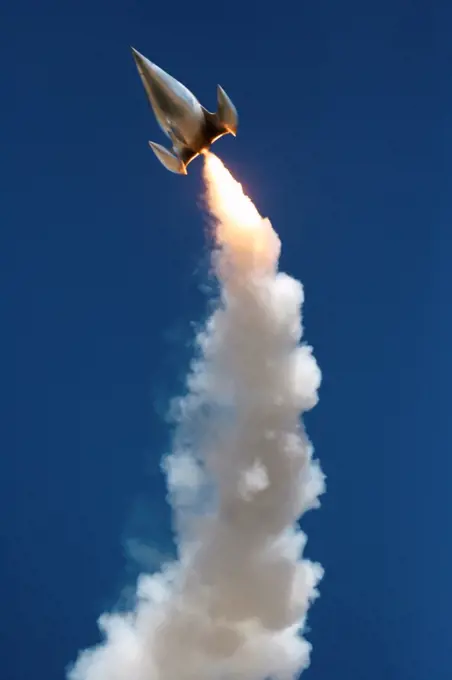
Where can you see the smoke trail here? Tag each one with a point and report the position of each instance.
(240, 474)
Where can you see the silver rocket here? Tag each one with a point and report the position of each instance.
(190, 127)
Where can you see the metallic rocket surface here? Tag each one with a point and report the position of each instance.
(190, 127)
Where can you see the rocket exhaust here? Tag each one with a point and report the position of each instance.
(240, 474)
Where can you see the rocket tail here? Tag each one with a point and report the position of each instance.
(226, 112)
(171, 162)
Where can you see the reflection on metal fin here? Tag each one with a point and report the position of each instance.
(170, 161)
(227, 113)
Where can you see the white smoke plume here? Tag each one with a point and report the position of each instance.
(240, 474)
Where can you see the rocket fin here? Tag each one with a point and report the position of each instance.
(171, 162)
(226, 112)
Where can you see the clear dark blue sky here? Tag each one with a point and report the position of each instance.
(345, 143)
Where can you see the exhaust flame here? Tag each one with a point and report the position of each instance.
(228, 197)
(240, 474)
(240, 229)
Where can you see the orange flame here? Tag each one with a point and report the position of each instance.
(240, 228)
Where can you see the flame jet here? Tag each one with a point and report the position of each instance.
(190, 127)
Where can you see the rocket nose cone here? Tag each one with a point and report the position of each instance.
(139, 59)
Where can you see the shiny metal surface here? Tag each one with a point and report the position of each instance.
(191, 128)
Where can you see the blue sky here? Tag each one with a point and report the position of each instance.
(344, 144)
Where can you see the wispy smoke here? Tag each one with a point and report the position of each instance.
(240, 474)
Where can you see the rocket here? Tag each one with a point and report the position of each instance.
(190, 127)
